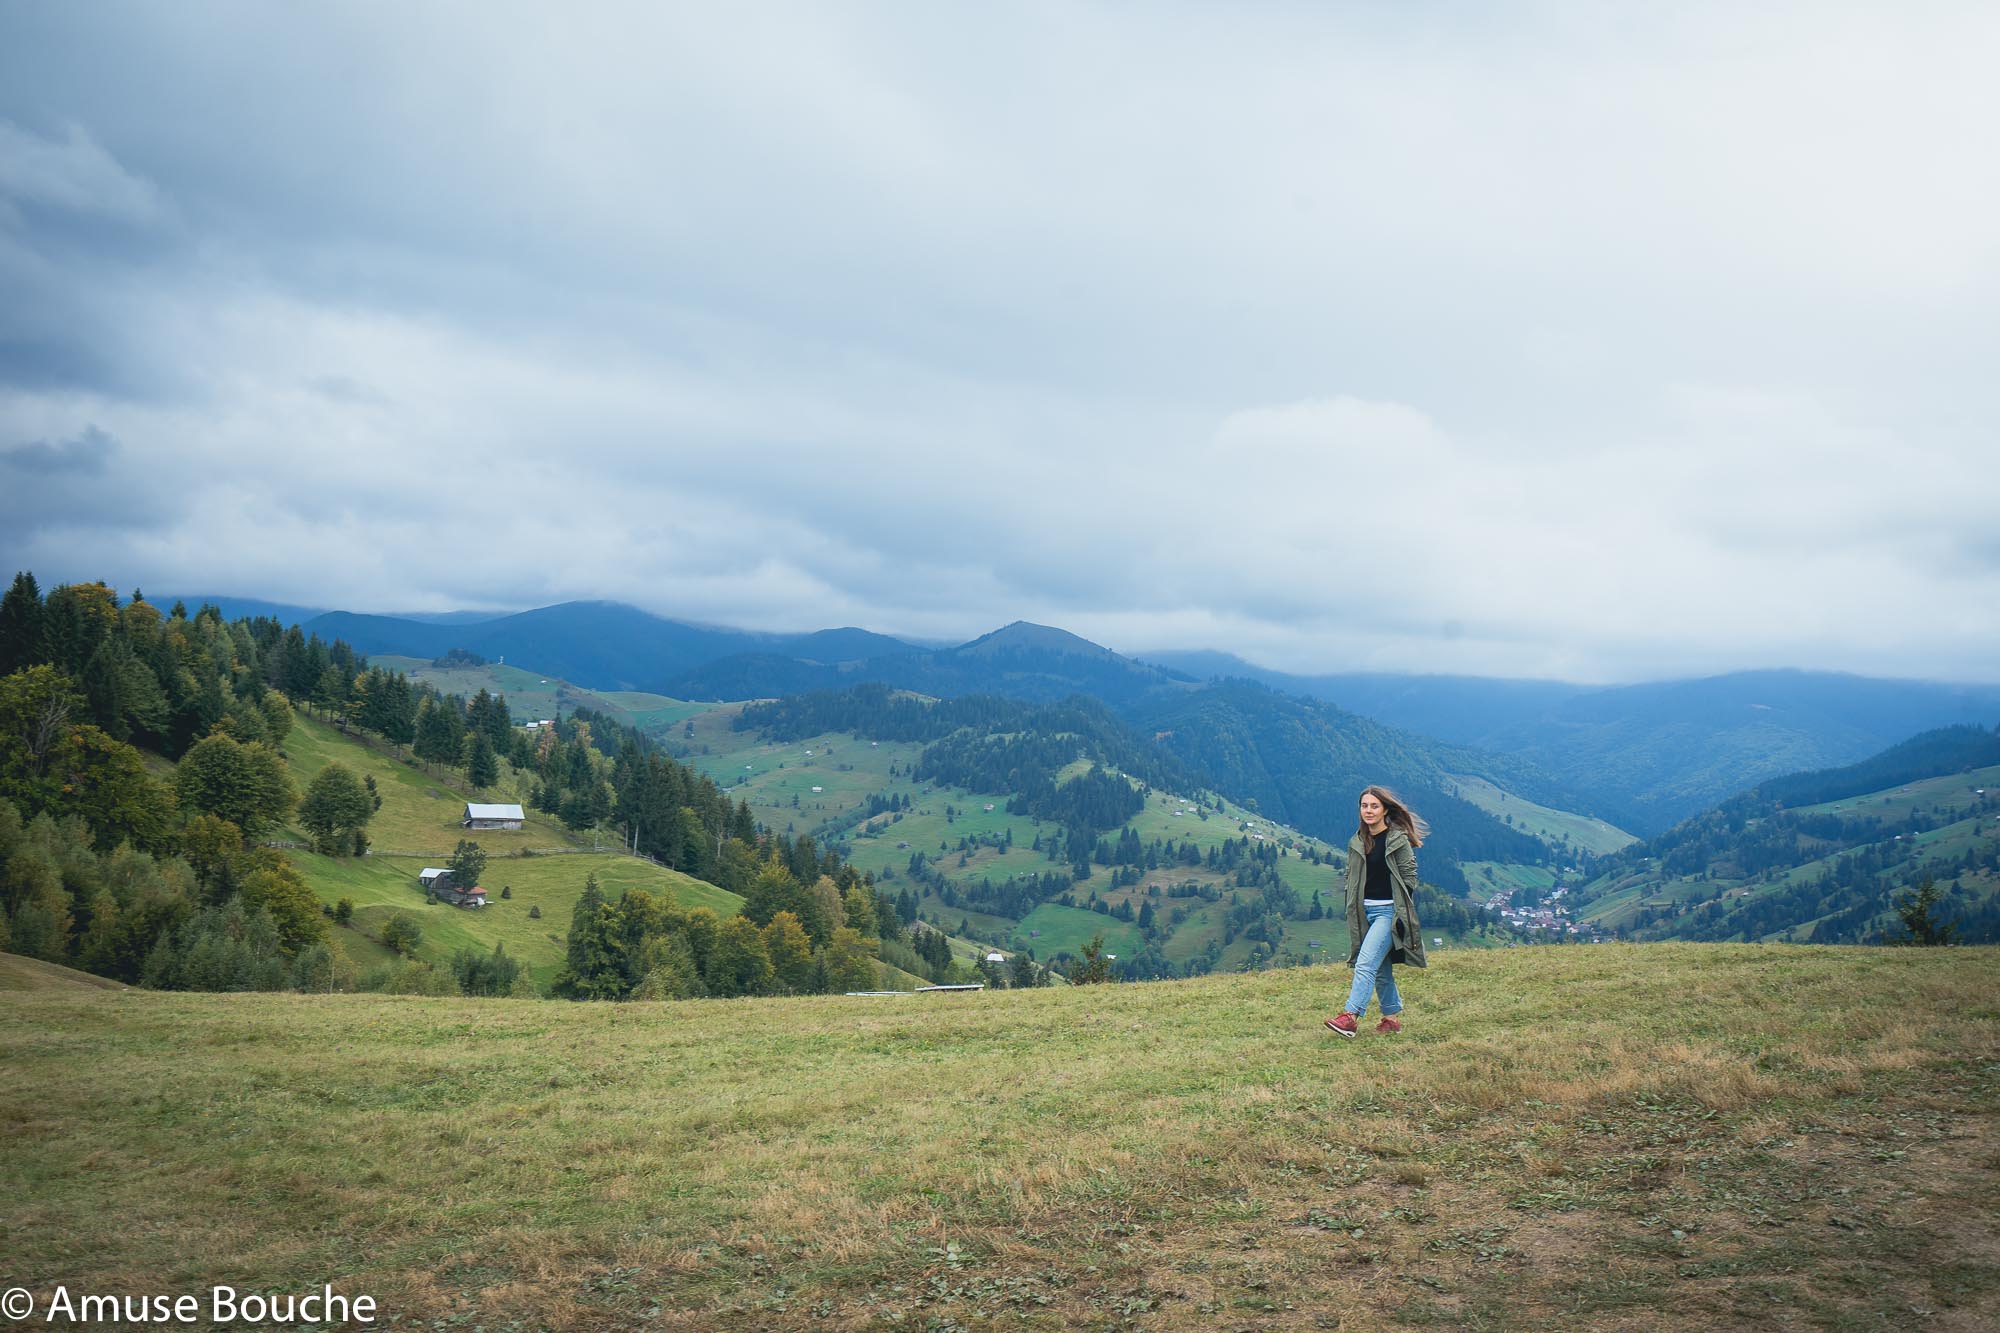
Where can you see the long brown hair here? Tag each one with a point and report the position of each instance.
(1398, 815)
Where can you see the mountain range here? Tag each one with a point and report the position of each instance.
(1642, 756)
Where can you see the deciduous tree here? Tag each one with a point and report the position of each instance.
(244, 784)
(335, 810)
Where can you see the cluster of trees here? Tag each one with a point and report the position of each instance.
(830, 934)
(215, 915)
(104, 866)
(473, 735)
(589, 769)
(160, 680)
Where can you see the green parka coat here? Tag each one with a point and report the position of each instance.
(1406, 934)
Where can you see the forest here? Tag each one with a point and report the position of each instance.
(155, 871)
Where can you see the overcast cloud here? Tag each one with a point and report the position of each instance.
(1608, 343)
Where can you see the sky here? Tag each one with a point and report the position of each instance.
(1603, 343)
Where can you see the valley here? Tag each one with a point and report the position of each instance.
(1201, 883)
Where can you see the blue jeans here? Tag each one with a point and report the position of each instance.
(1372, 969)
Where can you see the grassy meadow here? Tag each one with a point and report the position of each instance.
(383, 886)
(1583, 831)
(421, 809)
(1602, 1136)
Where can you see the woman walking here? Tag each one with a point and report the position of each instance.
(1382, 926)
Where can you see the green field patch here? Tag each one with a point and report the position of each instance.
(1585, 832)
(1052, 929)
(1486, 878)
(1304, 878)
(652, 713)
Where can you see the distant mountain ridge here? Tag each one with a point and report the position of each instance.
(1654, 753)
(600, 645)
(1038, 663)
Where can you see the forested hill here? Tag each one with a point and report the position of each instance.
(150, 772)
(600, 645)
(1820, 856)
(1945, 750)
(1065, 762)
(1296, 761)
(1301, 762)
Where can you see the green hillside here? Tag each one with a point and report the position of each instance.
(422, 809)
(826, 785)
(1826, 871)
(383, 886)
(540, 865)
(1560, 827)
(1560, 1139)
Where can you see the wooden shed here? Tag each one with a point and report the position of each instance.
(492, 816)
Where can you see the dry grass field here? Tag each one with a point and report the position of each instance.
(1586, 1137)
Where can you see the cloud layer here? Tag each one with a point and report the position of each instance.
(1544, 343)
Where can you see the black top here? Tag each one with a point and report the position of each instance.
(1379, 889)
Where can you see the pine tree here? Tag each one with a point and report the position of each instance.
(595, 963)
(436, 737)
(1923, 924)
(20, 625)
(1095, 968)
(482, 769)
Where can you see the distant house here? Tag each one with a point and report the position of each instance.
(996, 957)
(457, 897)
(491, 816)
(432, 878)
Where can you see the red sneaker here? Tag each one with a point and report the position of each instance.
(1388, 1025)
(1343, 1023)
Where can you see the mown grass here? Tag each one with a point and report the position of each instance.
(1578, 1137)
